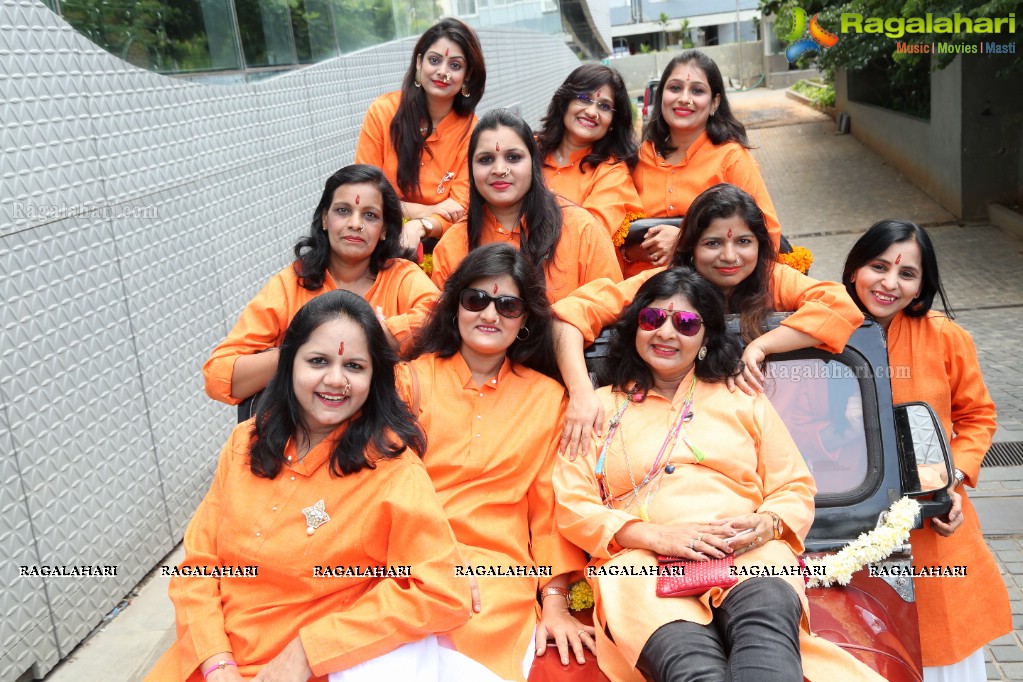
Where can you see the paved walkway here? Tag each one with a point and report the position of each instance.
(828, 189)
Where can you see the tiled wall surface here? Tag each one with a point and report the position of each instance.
(138, 215)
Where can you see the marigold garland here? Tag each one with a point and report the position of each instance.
(623, 230)
(868, 548)
(427, 264)
(801, 258)
(580, 596)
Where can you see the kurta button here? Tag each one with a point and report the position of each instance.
(493, 381)
(669, 190)
(293, 478)
(479, 416)
(671, 207)
(275, 509)
(257, 534)
(477, 435)
(481, 395)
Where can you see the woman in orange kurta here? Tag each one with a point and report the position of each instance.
(686, 467)
(352, 245)
(508, 202)
(726, 241)
(333, 539)
(892, 273)
(492, 419)
(588, 147)
(419, 135)
(692, 142)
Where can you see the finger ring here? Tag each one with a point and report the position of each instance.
(692, 543)
(699, 537)
(757, 541)
(581, 633)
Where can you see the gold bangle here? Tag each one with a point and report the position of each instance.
(776, 522)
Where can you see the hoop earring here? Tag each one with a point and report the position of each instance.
(417, 82)
(465, 90)
(702, 354)
(523, 338)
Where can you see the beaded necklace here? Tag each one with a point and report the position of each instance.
(656, 471)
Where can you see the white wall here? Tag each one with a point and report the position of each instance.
(138, 215)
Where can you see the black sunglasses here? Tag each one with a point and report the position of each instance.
(686, 323)
(475, 300)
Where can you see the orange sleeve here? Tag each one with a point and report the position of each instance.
(787, 483)
(597, 257)
(582, 516)
(197, 601)
(613, 199)
(823, 310)
(395, 612)
(448, 253)
(973, 411)
(599, 303)
(372, 138)
(414, 294)
(549, 547)
(260, 326)
(744, 173)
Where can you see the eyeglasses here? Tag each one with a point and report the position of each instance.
(686, 323)
(602, 107)
(475, 300)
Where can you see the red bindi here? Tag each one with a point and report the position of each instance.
(671, 306)
(357, 203)
(495, 287)
(341, 348)
(898, 259)
(729, 230)
(498, 145)
(446, 50)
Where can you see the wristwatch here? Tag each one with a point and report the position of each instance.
(549, 590)
(958, 477)
(428, 224)
(776, 523)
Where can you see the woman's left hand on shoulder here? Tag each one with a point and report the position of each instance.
(953, 519)
(291, 665)
(750, 379)
(568, 633)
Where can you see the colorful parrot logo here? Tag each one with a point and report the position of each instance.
(819, 38)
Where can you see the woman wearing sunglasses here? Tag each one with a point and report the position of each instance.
(509, 203)
(588, 147)
(725, 239)
(693, 141)
(419, 134)
(492, 415)
(689, 469)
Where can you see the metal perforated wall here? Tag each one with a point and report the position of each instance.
(138, 215)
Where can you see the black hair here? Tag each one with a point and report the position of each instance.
(618, 145)
(312, 252)
(876, 241)
(623, 364)
(539, 239)
(440, 334)
(413, 111)
(722, 126)
(751, 298)
(385, 424)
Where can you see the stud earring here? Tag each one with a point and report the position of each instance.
(702, 354)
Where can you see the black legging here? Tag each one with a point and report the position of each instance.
(753, 637)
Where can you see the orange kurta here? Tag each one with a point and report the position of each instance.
(402, 292)
(667, 190)
(384, 517)
(751, 465)
(584, 252)
(448, 153)
(491, 455)
(606, 191)
(944, 372)
(823, 310)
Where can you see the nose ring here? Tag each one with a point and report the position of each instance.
(447, 78)
(347, 389)
(736, 261)
(691, 103)
(506, 173)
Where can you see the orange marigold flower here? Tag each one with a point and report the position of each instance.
(427, 264)
(623, 230)
(800, 259)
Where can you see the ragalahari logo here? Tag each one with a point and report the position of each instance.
(818, 40)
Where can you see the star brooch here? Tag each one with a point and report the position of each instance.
(315, 516)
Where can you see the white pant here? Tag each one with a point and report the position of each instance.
(970, 669)
(422, 661)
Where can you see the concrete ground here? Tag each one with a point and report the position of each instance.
(828, 189)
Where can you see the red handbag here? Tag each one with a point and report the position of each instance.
(678, 577)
